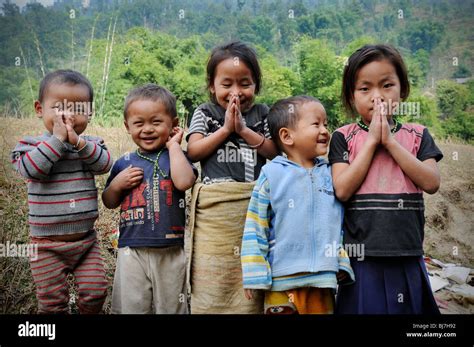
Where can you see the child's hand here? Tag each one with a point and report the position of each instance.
(176, 136)
(229, 122)
(128, 178)
(239, 123)
(386, 136)
(375, 127)
(249, 293)
(59, 128)
(72, 136)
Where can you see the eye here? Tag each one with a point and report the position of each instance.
(388, 85)
(363, 89)
(226, 85)
(157, 121)
(138, 123)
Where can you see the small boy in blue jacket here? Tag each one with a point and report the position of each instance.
(291, 247)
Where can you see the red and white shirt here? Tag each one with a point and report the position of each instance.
(386, 213)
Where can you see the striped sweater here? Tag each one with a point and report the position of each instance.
(62, 196)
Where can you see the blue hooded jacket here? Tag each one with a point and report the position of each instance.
(306, 220)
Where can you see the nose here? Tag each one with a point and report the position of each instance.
(235, 90)
(324, 130)
(148, 128)
(377, 95)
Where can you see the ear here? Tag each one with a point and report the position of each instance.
(212, 89)
(286, 136)
(126, 126)
(38, 109)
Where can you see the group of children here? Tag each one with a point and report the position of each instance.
(287, 251)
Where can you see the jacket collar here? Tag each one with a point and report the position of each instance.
(318, 161)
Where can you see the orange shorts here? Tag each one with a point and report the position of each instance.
(307, 300)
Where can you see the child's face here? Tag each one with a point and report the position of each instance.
(376, 80)
(233, 77)
(310, 136)
(149, 124)
(68, 101)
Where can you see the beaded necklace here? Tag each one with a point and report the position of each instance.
(156, 166)
(366, 128)
(156, 171)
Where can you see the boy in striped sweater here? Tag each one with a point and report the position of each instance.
(60, 166)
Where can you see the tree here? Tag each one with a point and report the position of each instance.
(452, 97)
(358, 43)
(278, 82)
(422, 35)
(461, 125)
(428, 112)
(320, 72)
(462, 72)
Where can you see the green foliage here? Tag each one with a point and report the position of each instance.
(320, 76)
(452, 97)
(456, 104)
(427, 108)
(317, 70)
(470, 88)
(422, 35)
(278, 82)
(146, 57)
(461, 125)
(418, 66)
(358, 43)
(302, 47)
(462, 71)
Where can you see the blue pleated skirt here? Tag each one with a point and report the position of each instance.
(387, 285)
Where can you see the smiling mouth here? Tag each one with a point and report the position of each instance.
(323, 141)
(149, 139)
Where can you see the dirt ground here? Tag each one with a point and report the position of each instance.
(449, 230)
(449, 233)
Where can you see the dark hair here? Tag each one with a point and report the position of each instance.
(232, 50)
(152, 92)
(284, 114)
(364, 56)
(64, 77)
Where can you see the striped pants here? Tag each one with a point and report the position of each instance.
(55, 260)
